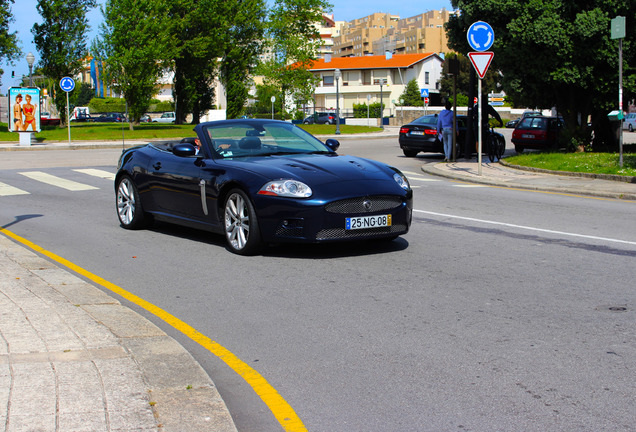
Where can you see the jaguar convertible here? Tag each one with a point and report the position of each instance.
(259, 182)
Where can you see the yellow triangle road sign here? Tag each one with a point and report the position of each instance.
(481, 61)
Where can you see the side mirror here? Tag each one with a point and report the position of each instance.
(184, 150)
(332, 144)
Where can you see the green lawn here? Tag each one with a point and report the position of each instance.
(114, 131)
(596, 163)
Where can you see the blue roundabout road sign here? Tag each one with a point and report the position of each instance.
(480, 36)
(67, 84)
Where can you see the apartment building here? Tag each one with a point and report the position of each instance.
(377, 33)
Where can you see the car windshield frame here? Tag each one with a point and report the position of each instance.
(249, 138)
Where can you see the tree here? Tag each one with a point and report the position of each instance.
(554, 53)
(9, 49)
(294, 40)
(199, 30)
(411, 95)
(135, 46)
(61, 41)
(241, 54)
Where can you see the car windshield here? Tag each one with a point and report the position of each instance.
(426, 120)
(238, 139)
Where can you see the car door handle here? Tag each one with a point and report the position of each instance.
(157, 166)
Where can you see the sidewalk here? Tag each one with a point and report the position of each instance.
(74, 359)
(499, 174)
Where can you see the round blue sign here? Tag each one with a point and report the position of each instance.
(67, 84)
(480, 36)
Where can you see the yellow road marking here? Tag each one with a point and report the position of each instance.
(283, 412)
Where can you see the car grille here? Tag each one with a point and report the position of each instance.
(357, 205)
(341, 233)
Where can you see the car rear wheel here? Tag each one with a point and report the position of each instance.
(631, 128)
(519, 149)
(241, 226)
(129, 210)
(410, 153)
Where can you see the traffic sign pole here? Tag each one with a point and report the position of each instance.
(67, 84)
(480, 37)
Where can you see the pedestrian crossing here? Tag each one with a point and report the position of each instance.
(416, 180)
(57, 181)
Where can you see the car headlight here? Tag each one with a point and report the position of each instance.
(286, 188)
(401, 180)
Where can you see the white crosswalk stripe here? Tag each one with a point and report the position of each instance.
(97, 173)
(57, 181)
(6, 190)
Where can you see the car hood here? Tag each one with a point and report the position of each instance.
(313, 169)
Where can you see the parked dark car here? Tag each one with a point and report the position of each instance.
(536, 133)
(83, 118)
(110, 117)
(513, 123)
(421, 136)
(321, 118)
(262, 181)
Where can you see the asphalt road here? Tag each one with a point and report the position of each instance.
(500, 310)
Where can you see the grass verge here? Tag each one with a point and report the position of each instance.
(595, 163)
(115, 131)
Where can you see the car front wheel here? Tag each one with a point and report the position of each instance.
(129, 210)
(241, 226)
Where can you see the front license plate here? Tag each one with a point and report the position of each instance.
(527, 136)
(364, 222)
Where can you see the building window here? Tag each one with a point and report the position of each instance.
(327, 81)
(426, 78)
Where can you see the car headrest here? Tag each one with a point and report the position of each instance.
(250, 143)
(188, 140)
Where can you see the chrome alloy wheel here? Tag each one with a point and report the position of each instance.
(237, 221)
(126, 203)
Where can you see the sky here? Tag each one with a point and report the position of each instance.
(25, 15)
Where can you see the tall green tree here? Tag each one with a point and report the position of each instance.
(294, 40)
(411, 95)
(9, 49)
(136, 47)
(61, 40)
(242, 50)
(490, 83)
(198, 29)
(554, 53)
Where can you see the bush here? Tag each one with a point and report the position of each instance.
(360, 110)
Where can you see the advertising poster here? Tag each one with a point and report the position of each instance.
(24, 109)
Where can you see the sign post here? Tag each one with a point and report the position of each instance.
(67, 84)
(618, 32)
(480, 37)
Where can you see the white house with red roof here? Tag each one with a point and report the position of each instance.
(367, 79)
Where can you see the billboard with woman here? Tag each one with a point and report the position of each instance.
(24, 109)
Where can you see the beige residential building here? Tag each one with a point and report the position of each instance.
(377, 33)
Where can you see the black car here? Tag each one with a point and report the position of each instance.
(421, 136)
(262, 181)
(321, 118)
(109, 117)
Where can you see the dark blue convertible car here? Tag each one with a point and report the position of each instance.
(259, 182)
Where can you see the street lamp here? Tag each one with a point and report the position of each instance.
(382, 81)
(30, 58)
(337, 74)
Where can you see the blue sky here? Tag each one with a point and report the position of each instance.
(25, 14)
